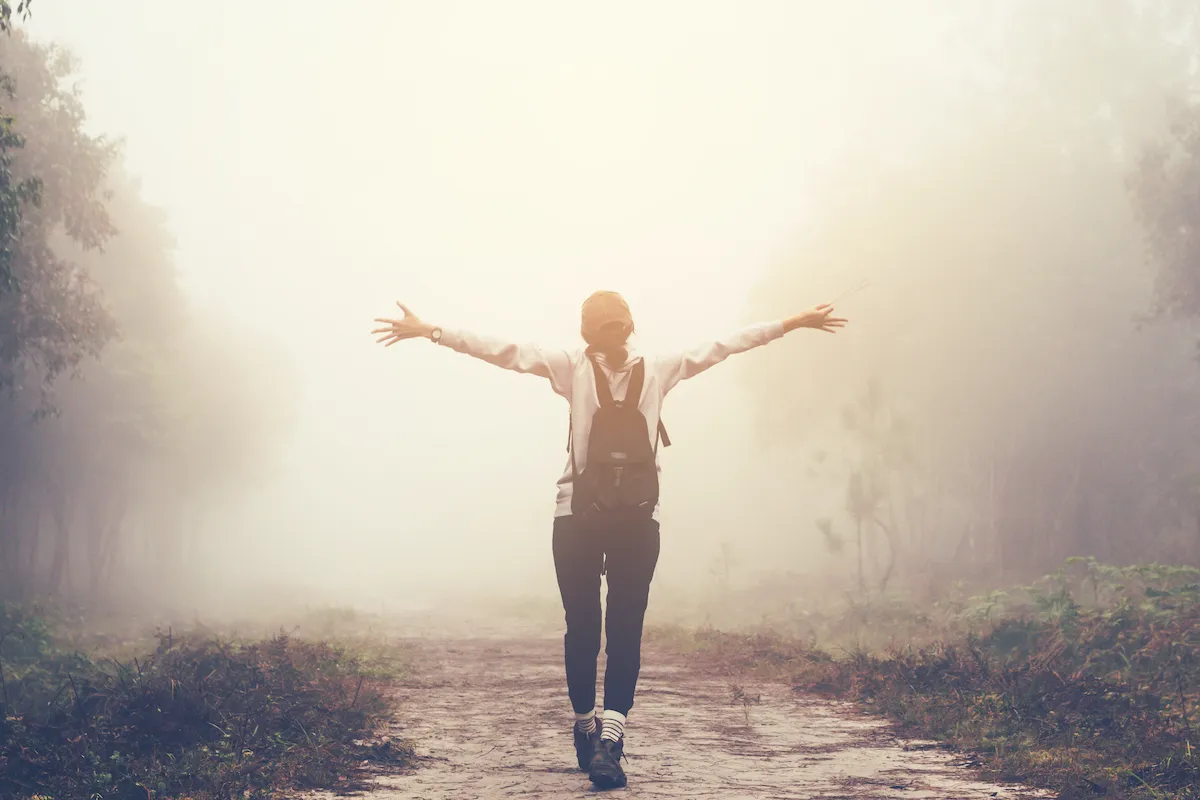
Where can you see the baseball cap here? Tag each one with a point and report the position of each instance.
(602, 309)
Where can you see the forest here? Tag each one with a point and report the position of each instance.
(1013, 449)
(1046, 406)
(124, 412)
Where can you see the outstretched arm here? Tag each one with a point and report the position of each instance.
(676, 368)
(554, 365)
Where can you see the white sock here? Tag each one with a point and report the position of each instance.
(586, 723)
(614, 726)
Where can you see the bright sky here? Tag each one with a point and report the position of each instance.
(490, 164)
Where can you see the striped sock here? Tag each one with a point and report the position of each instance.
(586, 723)
(614, 726)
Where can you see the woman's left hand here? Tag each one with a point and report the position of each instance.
(410, 326)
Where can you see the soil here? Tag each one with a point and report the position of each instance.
(488, 714)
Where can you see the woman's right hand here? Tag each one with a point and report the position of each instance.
(819, 318)
(409, 326)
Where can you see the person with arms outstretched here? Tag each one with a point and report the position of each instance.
(606, 516)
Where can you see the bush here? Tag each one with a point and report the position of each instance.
(1087, 682)
(196, 717)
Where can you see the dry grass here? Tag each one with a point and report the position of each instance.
(1087, 683)
(196, 715)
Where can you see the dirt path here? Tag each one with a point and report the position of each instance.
(688, 735)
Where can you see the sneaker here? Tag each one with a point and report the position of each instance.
(605, 769)
(585, 745)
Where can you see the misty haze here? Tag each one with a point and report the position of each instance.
(951, 547)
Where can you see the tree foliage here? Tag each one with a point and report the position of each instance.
(1007, 269)
(51, 318)
(1166, 190)
(124, 414)
(6, 13)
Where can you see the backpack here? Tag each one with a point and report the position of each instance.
(621, 473)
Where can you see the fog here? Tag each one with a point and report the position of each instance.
(492, 164)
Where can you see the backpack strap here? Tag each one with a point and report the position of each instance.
(570, 442)
(603, 390)
(637, 379)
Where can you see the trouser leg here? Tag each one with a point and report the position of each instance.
(632, 554)
(578, 558)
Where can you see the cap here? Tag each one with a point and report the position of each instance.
(602, 309)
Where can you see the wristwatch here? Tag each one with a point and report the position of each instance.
(435, 336)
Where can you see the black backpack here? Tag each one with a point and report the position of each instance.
(621, 472)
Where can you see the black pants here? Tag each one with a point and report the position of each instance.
(628, 548)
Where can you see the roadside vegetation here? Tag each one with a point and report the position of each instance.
(1086, 682)
(196, 714)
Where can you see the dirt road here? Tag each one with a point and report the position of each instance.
(490, 717)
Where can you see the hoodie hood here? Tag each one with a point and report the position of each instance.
(633, 354)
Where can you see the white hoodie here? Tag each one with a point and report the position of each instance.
(571, 376)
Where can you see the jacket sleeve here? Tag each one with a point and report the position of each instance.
(556, 366)
(674, 368)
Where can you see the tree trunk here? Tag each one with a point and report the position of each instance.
(862, 582)
(104, 537)
(35, 544)
(890, 537)
(60, 564)
(10, 541)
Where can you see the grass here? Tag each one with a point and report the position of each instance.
(193, 715)
(1087, 682)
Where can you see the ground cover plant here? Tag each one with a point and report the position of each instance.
(1086, 682)
(196, 715)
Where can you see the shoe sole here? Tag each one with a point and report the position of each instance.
(605, 781)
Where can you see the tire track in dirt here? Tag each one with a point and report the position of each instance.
(489, 717)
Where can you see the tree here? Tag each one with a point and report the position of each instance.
(1166, 192)
(6, 13)
(14, 194)
(155, 415)
(1048, 424)
(51, 316)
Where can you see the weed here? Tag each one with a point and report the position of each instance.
(197, 716)
(1087, 681)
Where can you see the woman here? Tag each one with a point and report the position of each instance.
(606, 520)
